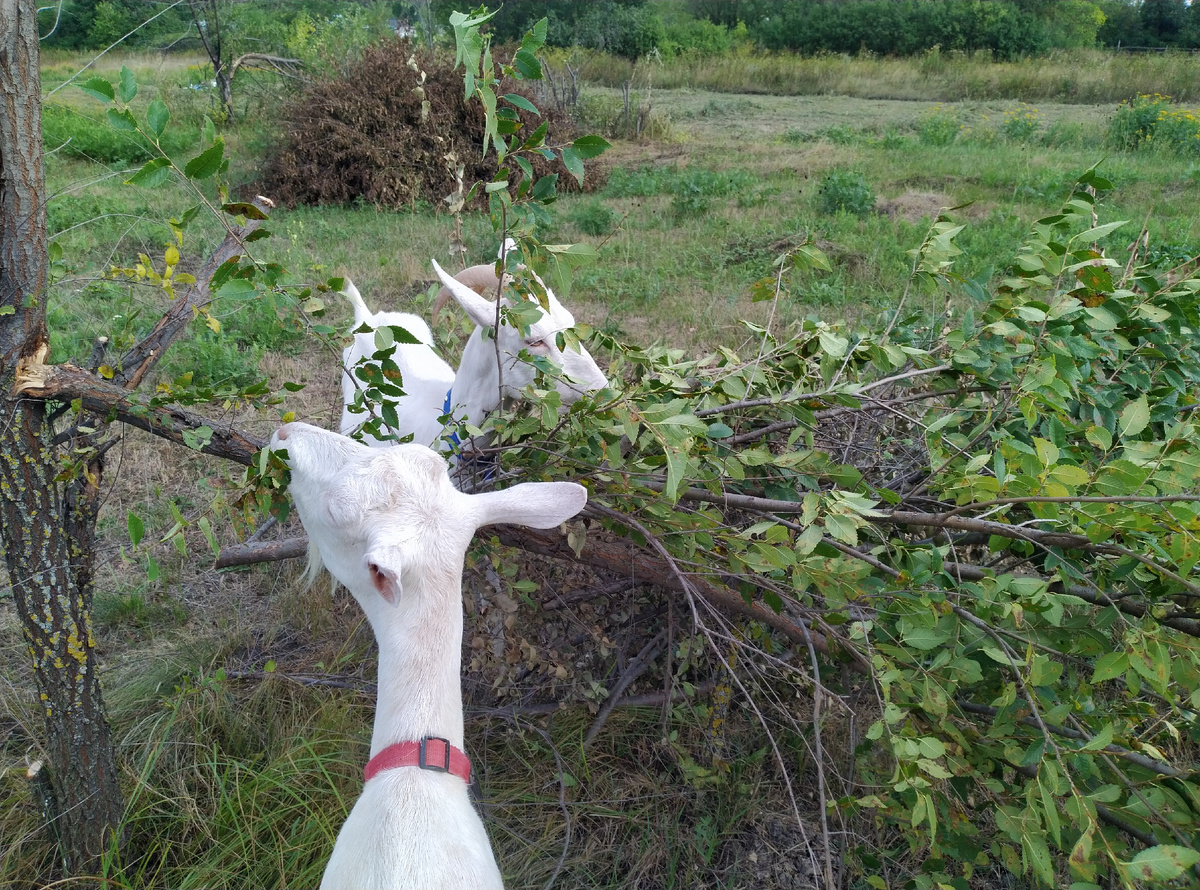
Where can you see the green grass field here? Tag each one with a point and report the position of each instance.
(241, 703)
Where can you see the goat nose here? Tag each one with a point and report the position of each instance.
(282, 432)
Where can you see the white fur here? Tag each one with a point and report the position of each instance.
(426, 376)
(475, 388)
(393, 529)
(477, 385)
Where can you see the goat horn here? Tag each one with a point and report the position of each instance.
(481, 279)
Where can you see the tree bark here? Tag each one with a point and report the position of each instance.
(48, 566)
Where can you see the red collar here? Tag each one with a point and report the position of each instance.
(441, 757)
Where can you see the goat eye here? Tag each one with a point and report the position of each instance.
(536, 344)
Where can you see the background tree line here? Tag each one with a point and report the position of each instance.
(632, 28)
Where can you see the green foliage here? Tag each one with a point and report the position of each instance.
(889, 28)
(1022, 123)
(939, 127)
(622, 29)
(72, 133)
(645, 182)
(698, 37)
(325, 43)
(846, 190)
(626, 28)
(1012, 566)
(1151, 121)
(593, 218)
(1134, 121)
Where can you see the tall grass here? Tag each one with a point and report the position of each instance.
(1084, 76)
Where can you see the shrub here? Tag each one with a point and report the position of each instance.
(1134, 121)
(1021, 124)
(846, 190)
(695, 37)
(1177, 131)
(939, 127)
(627, 31)
(593, 218)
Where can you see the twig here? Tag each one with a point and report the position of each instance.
(635, 669)
(1155, 766)
(589, 593)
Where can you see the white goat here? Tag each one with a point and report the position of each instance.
(432, 389)
(393, 529)
(426, 378)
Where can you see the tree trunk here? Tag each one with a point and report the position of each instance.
(46, 527)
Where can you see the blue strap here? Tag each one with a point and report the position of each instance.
(446, 410)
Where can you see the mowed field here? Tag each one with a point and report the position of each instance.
(685, 221)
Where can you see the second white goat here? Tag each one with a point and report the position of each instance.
(488, 370)
(392, 528)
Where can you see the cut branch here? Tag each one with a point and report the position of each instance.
(616, 559)
(98, 396)
(253, 552)
(622, 560)
(145, 355)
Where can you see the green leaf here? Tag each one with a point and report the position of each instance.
(244, 208)
(590, 146)
(1162, 863)
(924, 638)
(1109, 666)
(719, 431)
(127, 88)
(1099, 232)
(122, 120)
(1099, 436)
(521, 102)
(833, 344)
(208, 162)
(154, 173)
(136, 528)
(99, 88)
(151, 569)
(808, 256)
(157, 116)
(1100, 740)
(527, 65)
(1134, 418)
(206, 528)
(573, 163)
(545, 189)
(237, 289)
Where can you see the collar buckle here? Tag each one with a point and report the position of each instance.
(422, 755)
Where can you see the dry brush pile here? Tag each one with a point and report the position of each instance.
(392, 131)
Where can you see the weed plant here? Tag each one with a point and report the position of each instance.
(848, 191)
(939, 127)
(1153, 122)
(1021, 124)
(593, 218)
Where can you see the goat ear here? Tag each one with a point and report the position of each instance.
(384, 568)
(534, 504)
(351, 293)
(480, 310)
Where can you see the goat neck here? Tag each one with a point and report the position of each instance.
(420, 659)
(476, 391)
